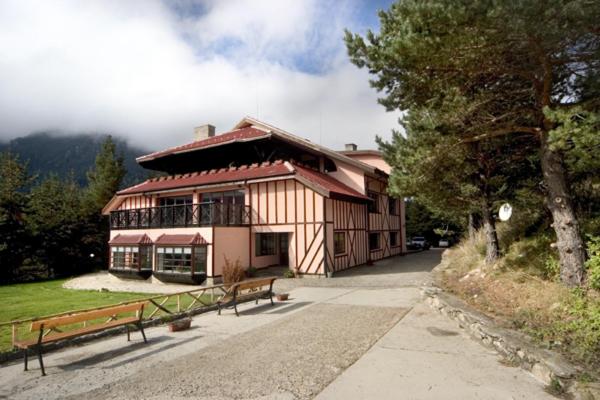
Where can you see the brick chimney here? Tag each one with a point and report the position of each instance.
(350, 147)
(204, 132)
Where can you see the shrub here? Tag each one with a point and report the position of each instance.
(251, 272)
(233, 272)
(288, 274)
(593, 264)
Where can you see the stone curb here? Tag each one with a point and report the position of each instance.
(12, 355)
(547, 366)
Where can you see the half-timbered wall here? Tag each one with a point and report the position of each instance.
(383, 222)
(136, 202)
(288, 206)
(349, 219)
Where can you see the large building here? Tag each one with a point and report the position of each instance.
(259, 196)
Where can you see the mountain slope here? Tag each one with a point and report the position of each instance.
(47, 153)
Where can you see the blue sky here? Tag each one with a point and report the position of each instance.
(151, 70)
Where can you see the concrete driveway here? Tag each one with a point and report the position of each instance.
(362, 335)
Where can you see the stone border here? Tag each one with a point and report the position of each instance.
(12, 355)
(516, 348)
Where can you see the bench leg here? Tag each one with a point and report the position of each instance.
(271, 298)
(128, 335)
(39, 351)
(237, 314)
(142, 330)
(219, 307)
(256, 300)
(25, 359)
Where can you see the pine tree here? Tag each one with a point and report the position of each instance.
(13, 236)
(56, 225)
(512, 63)
(450, 177)
(106, 177)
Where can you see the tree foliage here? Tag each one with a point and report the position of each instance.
(491, 79)
(106, 177)
(54, 226)
(13, 238)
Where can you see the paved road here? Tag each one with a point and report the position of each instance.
(364, 334)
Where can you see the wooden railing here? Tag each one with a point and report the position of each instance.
(183, 215)
(162, 306)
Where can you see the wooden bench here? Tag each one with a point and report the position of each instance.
(48, 329)
(235, 294)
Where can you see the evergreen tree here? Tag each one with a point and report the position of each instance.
(56, 224)
(451, 177)
(13, 236)
(511, 63)
(106, 177)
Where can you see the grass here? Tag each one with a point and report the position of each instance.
(522, 291)
(27, 300)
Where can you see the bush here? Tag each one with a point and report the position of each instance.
(580, 327)
(288, 274)
(251, 272)
(593, 264)
(233, 272)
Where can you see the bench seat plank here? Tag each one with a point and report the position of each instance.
(53, 337)
(234, 294)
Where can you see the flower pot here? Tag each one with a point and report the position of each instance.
(282, 296)
(180, 325)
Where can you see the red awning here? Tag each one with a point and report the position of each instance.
(131, 239)
(181, 240)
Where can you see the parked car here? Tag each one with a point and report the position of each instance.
(419, 242)
(444, 243)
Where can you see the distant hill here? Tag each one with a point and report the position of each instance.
(62, 155)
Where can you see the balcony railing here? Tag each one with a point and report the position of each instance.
(203, 214)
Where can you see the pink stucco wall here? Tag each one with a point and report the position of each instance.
(230, 242)
(349, 175)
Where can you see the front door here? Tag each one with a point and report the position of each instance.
(283, 248)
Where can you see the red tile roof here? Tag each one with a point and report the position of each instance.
(131, 239)
(238, 135)
(223, 175)
(181, 240)
(327, 182)
(243, 173)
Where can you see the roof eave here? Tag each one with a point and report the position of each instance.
(183, 151)
(249, 121)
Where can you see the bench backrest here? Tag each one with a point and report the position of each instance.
(86, 316)
(251, 284)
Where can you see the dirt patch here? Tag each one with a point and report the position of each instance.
(291, 358)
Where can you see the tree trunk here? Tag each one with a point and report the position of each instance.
(472, 227)
(569, 243)
(492, 249)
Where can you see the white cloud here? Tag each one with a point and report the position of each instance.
(149, 72)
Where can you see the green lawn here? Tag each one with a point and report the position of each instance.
(27, 300)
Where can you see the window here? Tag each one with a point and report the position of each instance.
(223, 207)
(131, 257)
(181, 259)
(176, 211)
(373, 205)
(339, 242)
(394, 239)
(393, 208)
(200, 256)
(265, 244)
(176, 201)
(374, 241)
(174, 259)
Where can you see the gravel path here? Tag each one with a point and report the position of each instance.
(291, 358)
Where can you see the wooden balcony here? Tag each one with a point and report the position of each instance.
(188, 215)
